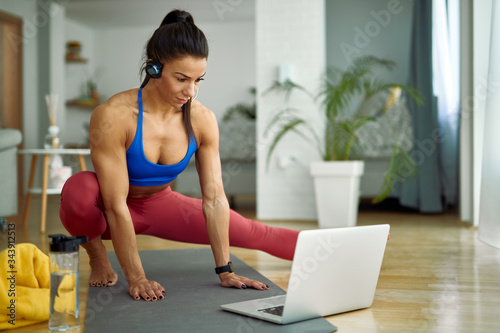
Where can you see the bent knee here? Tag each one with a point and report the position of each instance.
(80, 182)
(80, 195)
(79, 211)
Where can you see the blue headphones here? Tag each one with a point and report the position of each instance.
(153, 69)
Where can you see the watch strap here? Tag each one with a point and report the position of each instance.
(223, 269)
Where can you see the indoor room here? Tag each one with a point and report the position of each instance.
(337, 145)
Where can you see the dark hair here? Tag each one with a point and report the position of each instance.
(176, 37)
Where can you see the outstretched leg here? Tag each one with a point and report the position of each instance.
(173, 216)
(81, 213)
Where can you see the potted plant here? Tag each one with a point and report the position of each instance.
(237, 131)
(244, 110)
(337, 136)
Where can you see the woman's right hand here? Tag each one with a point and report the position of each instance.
(147, 290)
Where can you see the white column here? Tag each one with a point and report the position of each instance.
(481, 39)
(466, 130)
(489, 208)
(288, 32)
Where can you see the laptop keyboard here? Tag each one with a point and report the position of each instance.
(275, 310)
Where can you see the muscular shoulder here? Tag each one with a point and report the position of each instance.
(202, 118)
(120, 106)
(200, 113)
(115, 117)
(204, 122)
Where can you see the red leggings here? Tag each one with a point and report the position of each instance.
(167, 215)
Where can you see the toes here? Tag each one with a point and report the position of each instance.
(153, 294)
(103, 282)
(145, 296)
(111, 280)
(159, 292)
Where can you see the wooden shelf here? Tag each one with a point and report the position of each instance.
(76, 60)
(87, 104)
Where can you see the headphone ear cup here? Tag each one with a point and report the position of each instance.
(153, 69)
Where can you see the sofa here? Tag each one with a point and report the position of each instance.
(9, 140)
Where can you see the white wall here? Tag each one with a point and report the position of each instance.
(489, 225)
(118, 58)
(466, 196)
(287, 32)
(77, 73)
(475, 90)
(75, 76)
(231, 65)
(481, 91)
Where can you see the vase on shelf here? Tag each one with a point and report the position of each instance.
(52, 140)
(58, 172)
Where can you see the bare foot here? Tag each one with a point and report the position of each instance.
(102, 274)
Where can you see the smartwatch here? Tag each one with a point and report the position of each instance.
(223, 269)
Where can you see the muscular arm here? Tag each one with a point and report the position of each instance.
(215, 204)
(108, 148)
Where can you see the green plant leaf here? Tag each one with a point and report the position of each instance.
(283, 130)
(286, 115)
(399, 159)
(241, 109)
(287, 87)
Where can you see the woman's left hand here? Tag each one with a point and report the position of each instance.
(232, 280)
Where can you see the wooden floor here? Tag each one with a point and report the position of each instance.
(436, 275)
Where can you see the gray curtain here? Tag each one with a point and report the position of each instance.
(423, 191)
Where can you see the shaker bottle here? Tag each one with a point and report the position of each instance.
(64, 312)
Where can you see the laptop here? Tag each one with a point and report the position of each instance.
(333, 271)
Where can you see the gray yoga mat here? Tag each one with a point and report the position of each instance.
(193, 299)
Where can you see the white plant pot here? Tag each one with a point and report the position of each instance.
(336, 185)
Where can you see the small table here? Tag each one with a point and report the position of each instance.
(80, 153)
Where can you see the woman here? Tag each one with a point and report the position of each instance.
(139, 139)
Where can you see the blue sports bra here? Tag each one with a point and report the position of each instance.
(142, 172)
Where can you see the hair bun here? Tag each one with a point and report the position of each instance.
(177, 16)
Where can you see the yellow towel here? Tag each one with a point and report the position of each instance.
(24, 286)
